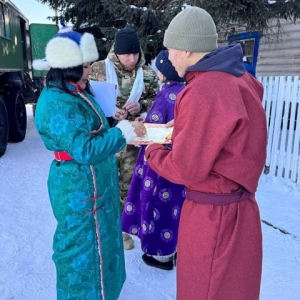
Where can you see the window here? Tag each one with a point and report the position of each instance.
(4, 21)
(249, 49)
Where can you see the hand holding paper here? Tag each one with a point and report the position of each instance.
(121, 114)
(139, 128)
(156, 133)
(132, 107)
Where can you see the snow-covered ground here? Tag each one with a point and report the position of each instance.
(27, 225)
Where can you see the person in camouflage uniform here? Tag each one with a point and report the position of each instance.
(127, 57)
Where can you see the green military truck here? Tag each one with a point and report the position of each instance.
(20, 43)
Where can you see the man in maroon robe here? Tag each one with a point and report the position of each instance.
(219, 151)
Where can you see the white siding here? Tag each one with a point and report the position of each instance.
(279, 51)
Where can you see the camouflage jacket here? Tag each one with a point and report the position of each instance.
(126, 80)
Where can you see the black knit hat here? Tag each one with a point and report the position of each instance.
(126, 41)
(164, 65)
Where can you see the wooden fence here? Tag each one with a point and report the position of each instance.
(281, 102)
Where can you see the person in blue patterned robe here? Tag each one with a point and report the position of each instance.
(153, 205)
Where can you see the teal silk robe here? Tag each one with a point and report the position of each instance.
(84, 194)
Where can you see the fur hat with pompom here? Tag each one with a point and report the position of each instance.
(68, 49)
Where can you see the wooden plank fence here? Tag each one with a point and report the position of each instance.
(282, 104)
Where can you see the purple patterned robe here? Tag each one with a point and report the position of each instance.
(153, 204)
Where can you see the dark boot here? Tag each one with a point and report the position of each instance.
(151, 261)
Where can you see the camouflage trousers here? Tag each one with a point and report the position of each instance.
(126, 163)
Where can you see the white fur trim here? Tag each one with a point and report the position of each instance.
(65, 29)
(127, 130)
(164, 258)
(63, 53)
(88, 48)
(40, 64)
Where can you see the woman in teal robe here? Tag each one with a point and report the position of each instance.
(83, 178)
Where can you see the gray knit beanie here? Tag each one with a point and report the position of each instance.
(193, 29)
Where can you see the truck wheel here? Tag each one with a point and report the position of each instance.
(3, 127)
(17, 116)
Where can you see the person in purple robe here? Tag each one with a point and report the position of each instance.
(153, 205)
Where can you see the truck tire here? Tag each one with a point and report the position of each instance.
(3, 127)
(17, 116)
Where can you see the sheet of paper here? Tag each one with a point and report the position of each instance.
(106, 95)
(157, 133)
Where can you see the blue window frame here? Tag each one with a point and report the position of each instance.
(244, 36)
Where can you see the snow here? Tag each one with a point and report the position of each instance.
(27, 225)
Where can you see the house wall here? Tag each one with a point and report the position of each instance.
(279, 50)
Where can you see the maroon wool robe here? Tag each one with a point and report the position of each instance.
(219, 144)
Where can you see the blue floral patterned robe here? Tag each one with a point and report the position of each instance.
(84, 194)
(153, 205)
